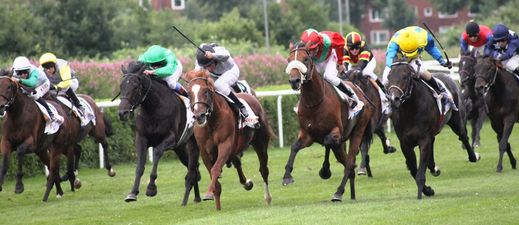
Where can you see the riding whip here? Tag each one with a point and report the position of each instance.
(190, 41)
(432, 34)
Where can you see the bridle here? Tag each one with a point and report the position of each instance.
(14, 89)
(142, 96)
(489, 81)
(465, 76)
(404, 95)
(209, 96)
(304, 70)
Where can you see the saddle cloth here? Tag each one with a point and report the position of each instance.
(352, 112)
(251, 120)
(189, 121)
(443, 108)
(87, 116)
(51, 127)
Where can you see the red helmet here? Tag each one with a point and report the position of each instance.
(312, 36)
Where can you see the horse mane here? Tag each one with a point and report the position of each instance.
(4, 73)
(199, 74)
(135, 66)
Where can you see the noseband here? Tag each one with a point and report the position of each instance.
(142, 97)
(304, 71)
(489, 81)
(209, 104)
(405, 94)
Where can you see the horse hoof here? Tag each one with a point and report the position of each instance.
(325, 173)
(77, 184)
(19, 190)
(476, 158)
(208, 197)
(151, 191)
(287, 181)
(390, 149)
(337, 198)
(197, 199)
(131, 198)
(248, 185)
(59, 196)
(362, 172)
(436, 171)
(499, 169)
(111, 173)
(428, 191)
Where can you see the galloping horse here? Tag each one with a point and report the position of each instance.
(23, 129)
(500, 89)
(162, 124)
(416, 120)
(474, 103)
(220, 137)
(323, 118)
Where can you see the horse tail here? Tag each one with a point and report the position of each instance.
(109, 131)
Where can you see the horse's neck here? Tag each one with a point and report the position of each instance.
(313, 91)
(158, 98)
(220, 106)
(21, 105)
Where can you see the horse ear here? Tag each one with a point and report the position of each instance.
(475, 54)
(143, 67)
(291, 45)
(124, 70)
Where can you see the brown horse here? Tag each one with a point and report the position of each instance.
(500, 89)
(219, 136)
(474, 103)
(323, 117)
(23, 131)
(416, 120)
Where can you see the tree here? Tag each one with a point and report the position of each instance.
(399, 15)
(481, 7)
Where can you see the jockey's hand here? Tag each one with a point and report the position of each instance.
(209, 54)
(447, 64)
(341, 68)
(149, 72)
(16, 79)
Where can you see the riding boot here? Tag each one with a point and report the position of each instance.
(181, 90)
(237, 103)
(44, 104)
(516, 71)
(441, 91)
(347, 91)
(75, 100)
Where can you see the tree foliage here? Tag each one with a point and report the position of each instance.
(477, 6)
(400, 15)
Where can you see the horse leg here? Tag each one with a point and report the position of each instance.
(426, 147)
(386, 144)
(6, 152)
(224, 152)
(364, 164)
(477, 125)
(325, 172)
(20, 153)
(71, 161)
(140, 144)
(513, 162)
(340, 154)
(302, 142)
(508, 125)
(433, 168)
(261, 146)
(191, 179)
(410, 158)
(247, 183)
(158, 152)
(110, 171)
(458, 127)
(53, 174)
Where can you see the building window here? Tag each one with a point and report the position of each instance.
(443, 15)
(379, 37)
(428, 12)
(416, 12)
(444, 29)
(178, 4)
(375, 16)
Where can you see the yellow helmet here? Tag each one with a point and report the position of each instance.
(408, 42)
(47, 58)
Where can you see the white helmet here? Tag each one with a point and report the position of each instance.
(21, 63)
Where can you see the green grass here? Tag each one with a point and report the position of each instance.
(466, 193)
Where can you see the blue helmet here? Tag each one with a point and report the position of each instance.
(500, 32)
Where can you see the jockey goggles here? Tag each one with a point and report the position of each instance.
(158, 64)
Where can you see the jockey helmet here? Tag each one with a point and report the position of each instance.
(154, 54)
(472, 28)
(200, 56)
(408, 43)
(354, 40)
(48, 58)
(500, 32)
(21, 63)
(312, 36)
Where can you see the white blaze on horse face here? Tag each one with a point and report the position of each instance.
(195, 89)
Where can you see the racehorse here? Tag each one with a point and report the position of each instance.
(370, 92)
(474, 103)
(416, 120)
(323, 118)
(220, 136)
(500, 89)
(161, 123)
(23, 129)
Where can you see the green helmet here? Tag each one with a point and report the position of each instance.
(154, 54)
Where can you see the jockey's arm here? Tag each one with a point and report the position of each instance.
(512, 49)
(464, 46)
(221, 54)
(433, 50)
(392, 50)
(169, 68)
(31, 80)
(66, 76)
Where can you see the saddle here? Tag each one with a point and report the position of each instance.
(443, 104)
(251, 121)
(51, 127)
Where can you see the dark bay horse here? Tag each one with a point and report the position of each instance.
(160, 123)
(23, 131)
(220, 137)
(500, 89)
(417, 121)
(323, 118)
(474, 103)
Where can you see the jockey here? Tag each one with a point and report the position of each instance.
(163, 63)
(410, 42)
(475, 36)
(35, 79)
(504, 47)
(327, 53)
(218, 62)
(61, 77)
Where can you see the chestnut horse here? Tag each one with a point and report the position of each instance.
(500, 89)
(23, 131)
(474, 103)
(160, 124)
(416, 120)
(323, 118)
(220, 137)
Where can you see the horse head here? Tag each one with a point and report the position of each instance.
(134, 87)
(354, 75)
(400, 82)
(485, 72)
(8, 89)
(201, 95)
(300, 67)
(466, 70)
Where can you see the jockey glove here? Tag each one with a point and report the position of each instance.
(447, 64)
